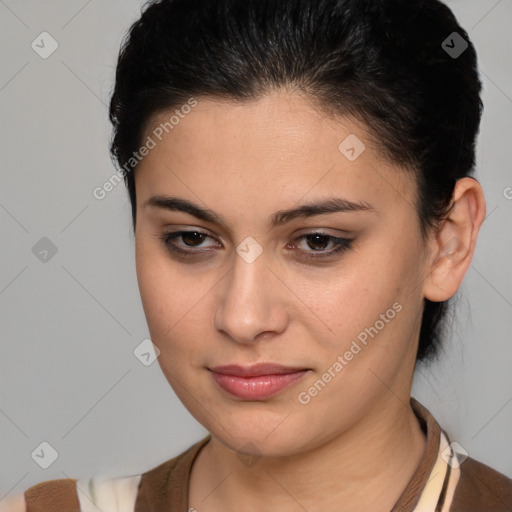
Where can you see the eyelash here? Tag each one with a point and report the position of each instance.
(342, 244)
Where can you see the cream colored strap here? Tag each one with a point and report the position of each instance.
(432, 491)
(107, 494)
(452, 482)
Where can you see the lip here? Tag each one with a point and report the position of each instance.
(257, 382)
(255, 370)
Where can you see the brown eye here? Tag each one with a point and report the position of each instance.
(192, 238)
(188, 238)
(319, 242)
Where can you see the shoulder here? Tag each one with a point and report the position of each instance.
(482, 488)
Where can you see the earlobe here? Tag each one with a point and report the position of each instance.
(447, 271)
(454, 244)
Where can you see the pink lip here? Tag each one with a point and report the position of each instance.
(257, 382)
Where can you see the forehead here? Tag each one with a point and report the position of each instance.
(278, 145)
(279, 121)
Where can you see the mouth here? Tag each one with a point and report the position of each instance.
(258, 382)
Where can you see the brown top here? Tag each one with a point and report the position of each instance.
(440, 483)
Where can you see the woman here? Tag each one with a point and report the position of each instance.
(299, 174)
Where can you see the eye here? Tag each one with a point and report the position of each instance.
(319, 241)
(190, 239)
(316, 241)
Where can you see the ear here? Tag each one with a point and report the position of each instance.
(453, 245)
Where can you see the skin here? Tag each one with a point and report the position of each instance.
(358, 441)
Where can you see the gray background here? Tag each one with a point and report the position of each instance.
(69, 326)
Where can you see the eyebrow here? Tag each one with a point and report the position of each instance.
(329, 205)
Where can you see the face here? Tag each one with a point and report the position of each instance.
(335, 294)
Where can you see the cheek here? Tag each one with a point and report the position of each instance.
(159, 290)
(353, 299)
(172, 303)
(368, 311)
(147, 278)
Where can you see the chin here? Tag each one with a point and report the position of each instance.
(255, 435)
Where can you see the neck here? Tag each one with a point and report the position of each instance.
(365, 468)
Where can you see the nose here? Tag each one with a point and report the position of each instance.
(251, 304)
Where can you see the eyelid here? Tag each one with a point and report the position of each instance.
(338, 233)
(303, 232)
(340, 244)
